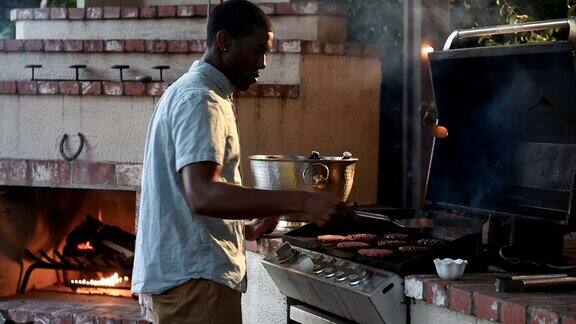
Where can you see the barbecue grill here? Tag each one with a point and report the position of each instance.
(505, 175)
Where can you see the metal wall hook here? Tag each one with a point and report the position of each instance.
(75, 156)
(121, 68)
(77, 67)
(161, 68)
(33, 67)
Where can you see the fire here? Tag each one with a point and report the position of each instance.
(111, 281)
(85, 246)
(100, 214)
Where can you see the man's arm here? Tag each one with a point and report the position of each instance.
(206, 195)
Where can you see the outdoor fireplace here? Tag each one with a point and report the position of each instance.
(67, 240)
(92, 251)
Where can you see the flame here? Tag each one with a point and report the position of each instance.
(85, 246)
(100, 214)
(111, 281)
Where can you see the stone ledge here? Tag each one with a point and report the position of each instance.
(475, 295)
(263, 245)
(56, 307)
(77, 174)
(174, 11)
(180, 46)
(129, 88)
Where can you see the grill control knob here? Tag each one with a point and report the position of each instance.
(358, 277)
(329, 260)
(329, 272)
(341, 275)
(318, 269)
(343, 264)
(317, 261)
(328, 265)
(285, 252)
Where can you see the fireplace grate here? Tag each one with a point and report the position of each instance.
(73, 263)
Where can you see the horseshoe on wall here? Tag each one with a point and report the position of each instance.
(75, 156)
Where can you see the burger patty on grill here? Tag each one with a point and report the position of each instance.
(362, 237)
(430, 242)
(390, 244)
(352, 245)
(376, 253)
(332, 238)
(411, 249)
(396, 237)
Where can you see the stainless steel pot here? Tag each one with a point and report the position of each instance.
(315, 173)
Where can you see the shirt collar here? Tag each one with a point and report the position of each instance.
(221, 82)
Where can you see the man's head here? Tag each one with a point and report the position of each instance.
(240, 34)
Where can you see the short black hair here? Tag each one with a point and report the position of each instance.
(238, 17)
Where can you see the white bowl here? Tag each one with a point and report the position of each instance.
(449, 268)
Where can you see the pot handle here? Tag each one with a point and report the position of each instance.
(318, 181)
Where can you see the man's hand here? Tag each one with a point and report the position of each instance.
(325, 207)
(260, 226)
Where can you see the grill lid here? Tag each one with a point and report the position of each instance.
(511, 114)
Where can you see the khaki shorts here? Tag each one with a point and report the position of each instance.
(198, 301)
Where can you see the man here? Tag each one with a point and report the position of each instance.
(190, 248)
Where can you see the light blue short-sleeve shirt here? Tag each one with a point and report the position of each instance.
(193, 122)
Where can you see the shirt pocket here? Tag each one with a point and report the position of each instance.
(232, 141)
(232, 153)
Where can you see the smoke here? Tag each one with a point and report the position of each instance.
(512, 128)
(383, 22)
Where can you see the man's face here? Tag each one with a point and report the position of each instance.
(247, 55)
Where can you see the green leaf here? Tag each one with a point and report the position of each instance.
(7, 30)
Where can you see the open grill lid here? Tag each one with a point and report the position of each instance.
(511, 115)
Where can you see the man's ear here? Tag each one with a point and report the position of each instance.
(223, 41)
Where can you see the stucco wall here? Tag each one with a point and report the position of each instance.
(115, 127)
(332, 29)
(422, 313)
(282, 68)
(338, 111)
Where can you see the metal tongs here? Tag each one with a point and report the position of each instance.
(531, 283)
(414, 223)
